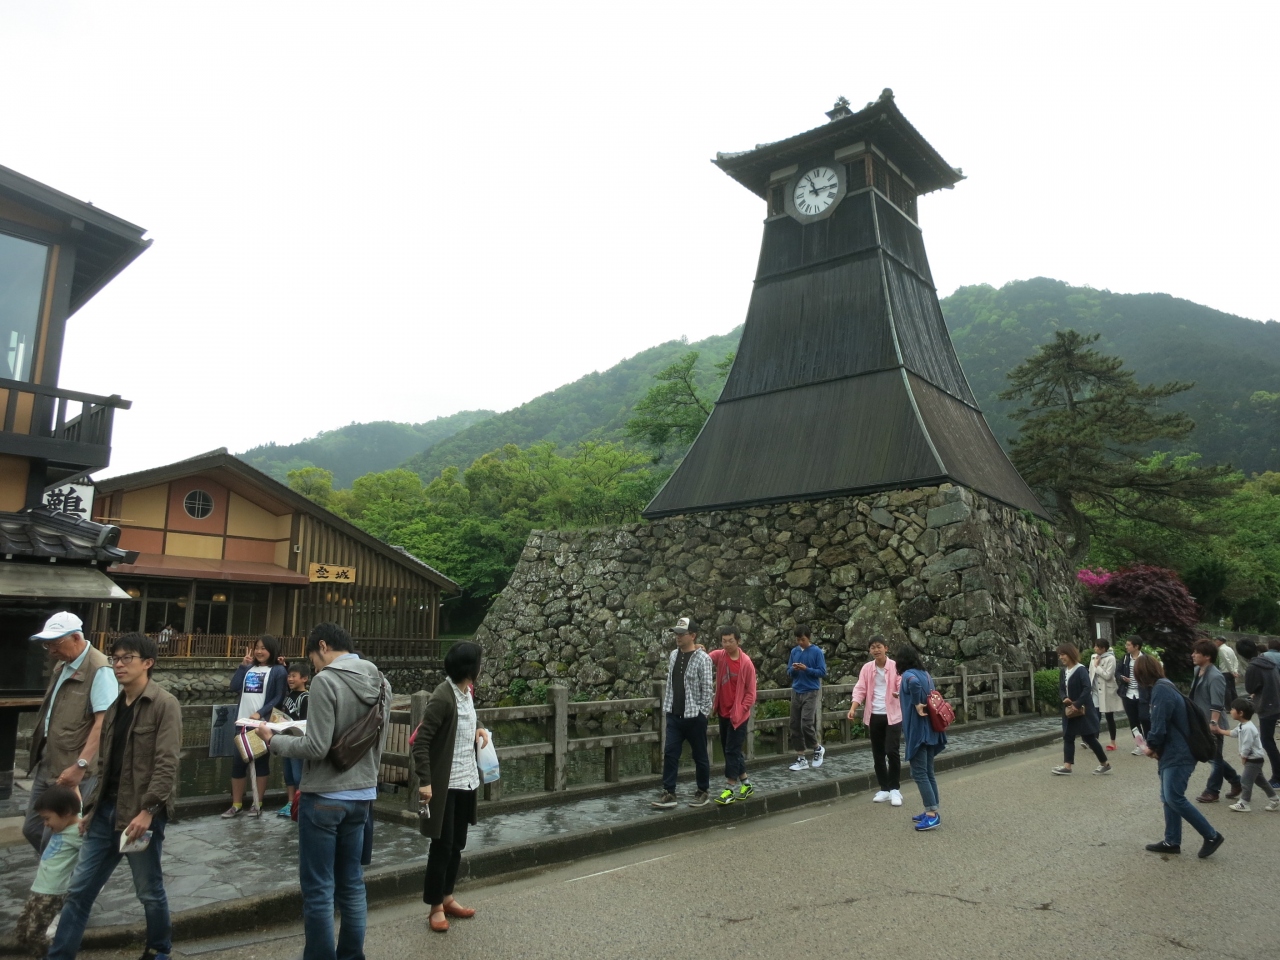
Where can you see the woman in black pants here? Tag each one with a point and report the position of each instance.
(444, 755)
(1077, 695)
(1262, 684)
(1136, 698)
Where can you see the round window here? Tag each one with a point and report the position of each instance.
(198, 504)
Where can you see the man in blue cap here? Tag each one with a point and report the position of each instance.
(68, 727)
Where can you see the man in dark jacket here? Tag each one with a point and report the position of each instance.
(1262, 683)
(334, 805)
(134, 796)
(1208, 693)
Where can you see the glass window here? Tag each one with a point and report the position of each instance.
(198, 504)
(22, 265)
(167, 605)
(249, 609)
(213, 607)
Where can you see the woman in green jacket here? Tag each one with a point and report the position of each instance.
(444, 753)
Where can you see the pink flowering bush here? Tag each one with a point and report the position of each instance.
(1094, 580)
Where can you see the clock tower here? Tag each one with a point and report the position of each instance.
(846, 380)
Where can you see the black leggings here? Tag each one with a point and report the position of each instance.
(1111, 725)
(445, 854)
(1131, 711)
(1267, 727)
(1090, 741)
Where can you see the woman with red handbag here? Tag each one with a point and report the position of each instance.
(921, 742)
(1079, 715)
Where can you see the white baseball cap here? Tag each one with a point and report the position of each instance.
(60, 625)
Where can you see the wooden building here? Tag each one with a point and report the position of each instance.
(845, 380)
(56, 253)
(225, 550)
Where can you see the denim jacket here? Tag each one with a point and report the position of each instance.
(1168, 731)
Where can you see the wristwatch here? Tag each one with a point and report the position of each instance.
(82, 763)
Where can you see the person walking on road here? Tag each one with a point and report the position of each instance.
(334, 802)
(1262, 684)
(921, 743)
(1102, 676)
(1167, 741)
(1079, 715)
(735, 696)
(1135, 699)
(1251, 757)
(1229, 664)
(131, 802)
(806, 666)
(444, 749)
(687, 704)
(1208, 693)
(69, 725)
(877, 688)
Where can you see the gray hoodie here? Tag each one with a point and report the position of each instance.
(341, 694)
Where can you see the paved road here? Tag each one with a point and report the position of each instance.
(1026, 866)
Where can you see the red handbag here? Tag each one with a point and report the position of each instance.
(940, 713)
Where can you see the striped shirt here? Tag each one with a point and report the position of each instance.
(699, 684)
(464, 774)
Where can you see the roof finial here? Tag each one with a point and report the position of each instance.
(841, 109)
(886, 94)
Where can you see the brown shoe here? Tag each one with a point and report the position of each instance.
(1207, 797)
(1235, 791)
(454, 909)
(438, 922)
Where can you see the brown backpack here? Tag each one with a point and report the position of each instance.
(362, 735)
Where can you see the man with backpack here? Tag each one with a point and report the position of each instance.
(346, 732)
(1209, 694)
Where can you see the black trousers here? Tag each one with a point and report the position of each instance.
(446, 850)
(884, 751)
(1131, 711)
(1090, 740)
(733, 741)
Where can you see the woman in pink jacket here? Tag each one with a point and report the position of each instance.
(735, 676)
(877, 688)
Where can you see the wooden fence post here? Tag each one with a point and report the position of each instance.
(964, 692)
(417, 707)
(751, 733)
(660, 725)
(557, 763)
(1000, 690)
(1031, 685)
(610, 764)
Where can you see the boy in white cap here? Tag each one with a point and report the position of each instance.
(687, 704)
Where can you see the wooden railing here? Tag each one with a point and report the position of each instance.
(975, 696)
(381, 650)
(36, 419)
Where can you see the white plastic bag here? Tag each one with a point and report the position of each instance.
(488, 760)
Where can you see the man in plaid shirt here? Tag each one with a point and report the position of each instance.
(690, 691)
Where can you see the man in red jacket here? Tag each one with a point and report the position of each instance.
(735, 677)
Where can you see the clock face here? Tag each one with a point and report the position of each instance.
(816, 191)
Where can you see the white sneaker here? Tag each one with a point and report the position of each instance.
(1240, 807)
(895, 798)
(1273, 804)
(1137, 752)
(818, 753)
(800, 764)
(880, 797)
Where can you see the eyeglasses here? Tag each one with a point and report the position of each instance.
(127, 659)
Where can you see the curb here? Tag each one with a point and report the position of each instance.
(400, 881)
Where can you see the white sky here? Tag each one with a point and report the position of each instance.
(397, 211)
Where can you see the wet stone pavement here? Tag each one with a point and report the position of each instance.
(208, 860)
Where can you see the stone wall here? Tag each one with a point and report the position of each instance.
(961, 577)
(201, 680)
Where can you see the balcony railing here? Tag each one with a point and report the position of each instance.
(378, 649)
(69, 429)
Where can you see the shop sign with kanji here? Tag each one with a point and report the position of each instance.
(72, 499)
(328, 573)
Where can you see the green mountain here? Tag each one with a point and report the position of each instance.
(594, 408)
(359, 448)
(1159, 337)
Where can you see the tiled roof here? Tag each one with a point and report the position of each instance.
(42, 533)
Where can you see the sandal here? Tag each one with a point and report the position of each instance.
(454, 909)
(441, 925)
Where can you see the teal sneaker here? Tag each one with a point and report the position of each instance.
(286, 811)
(745, 791)
(726, 797)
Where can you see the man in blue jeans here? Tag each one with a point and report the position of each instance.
(687, 704)
(140, 747)
(334, 805)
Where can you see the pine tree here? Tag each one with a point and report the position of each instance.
(676, 407)
(1086, 438)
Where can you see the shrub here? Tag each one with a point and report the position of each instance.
(1047, 686)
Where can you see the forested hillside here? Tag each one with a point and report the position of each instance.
(1234, 362)
(359, 448)
(593, 408)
